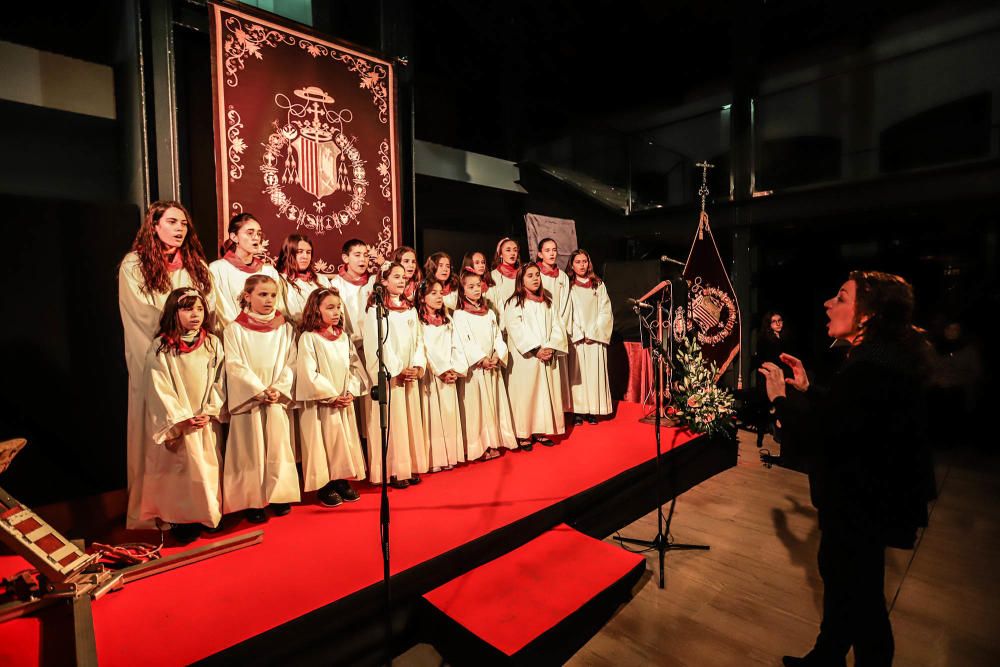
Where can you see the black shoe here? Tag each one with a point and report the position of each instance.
(541, 440)
(185, 533)
(399, 483)
(415, 479)
(526, 445)
(280, 509)
(577, 420)
(214, 529)
(346, 491)
(256, 515)
(328, 497)
(591, 419)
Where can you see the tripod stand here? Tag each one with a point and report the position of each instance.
(661, 541)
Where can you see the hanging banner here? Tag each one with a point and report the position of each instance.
(561, 230)
(713, 312)
(305, 136)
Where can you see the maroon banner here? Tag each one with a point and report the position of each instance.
(713, 312)
(305, 136)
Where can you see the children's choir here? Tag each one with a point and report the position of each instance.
(478, 362)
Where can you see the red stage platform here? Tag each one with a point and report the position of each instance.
(311, 590)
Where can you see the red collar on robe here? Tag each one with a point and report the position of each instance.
(546, 271)
(472, 308)
(357, 282)
(446, 288)
(507, 271)
(182, 347)
(326, 333)
(175, 264)
(433, 319)
(537, 298)
(253, 267)
(582, 283)
(411, 289)
(308, 277)
(247, 322)
(404, 304)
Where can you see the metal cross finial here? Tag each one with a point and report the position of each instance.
(703, 190)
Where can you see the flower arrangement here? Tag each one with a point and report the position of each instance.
(697, 402)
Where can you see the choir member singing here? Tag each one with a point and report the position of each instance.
(298, 277)
(591, 334)
(557, 283)
(240, 260)
(438, 267)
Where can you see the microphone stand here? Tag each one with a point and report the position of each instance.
(661, 541)
(381, 393)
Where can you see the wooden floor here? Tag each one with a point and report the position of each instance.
(756, 595)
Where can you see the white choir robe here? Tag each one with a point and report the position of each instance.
(485, 406)
(140, 313)
(442, 414)
(259, 467)
(228, 283)
(592, 319)
(503, 289)
(535, 386)
(562, 304)
(451, 300)
(355, 300)
(182, 473)
(331, 446)
(296, 293)
(403, 348)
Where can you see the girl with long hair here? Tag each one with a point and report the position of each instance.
(240, 257)
(870, 473)
(403, 357)
(506, 262)
(185, 396)
(438, 267)
(298, 277)
(483, 393)
(772, 342)
(406, 257)
(537, 343)
(166, 255)
(328, 376)
(593, 322)
(260, 363)
(557, 283)
(442, 415)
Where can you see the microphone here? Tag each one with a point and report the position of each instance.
(670, 260)
(640, 304)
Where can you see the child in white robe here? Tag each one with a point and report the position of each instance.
(506, 262)
(298, 277)
(240, 260)
(259, 468)
(166, 255)
(439, 391)
(592, 325)
(403, 358)
(557, 283)
(185, 392)
(406, 257)
(474, 261)
(438, 267)
(326, 382)
(485, 406)
(537, 340)
(354, 284)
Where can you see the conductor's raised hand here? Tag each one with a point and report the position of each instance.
(799, 379)
(774, 380)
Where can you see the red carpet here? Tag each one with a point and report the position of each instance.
(513, 600)
(317, 555)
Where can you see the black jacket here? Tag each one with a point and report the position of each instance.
(870, 470)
